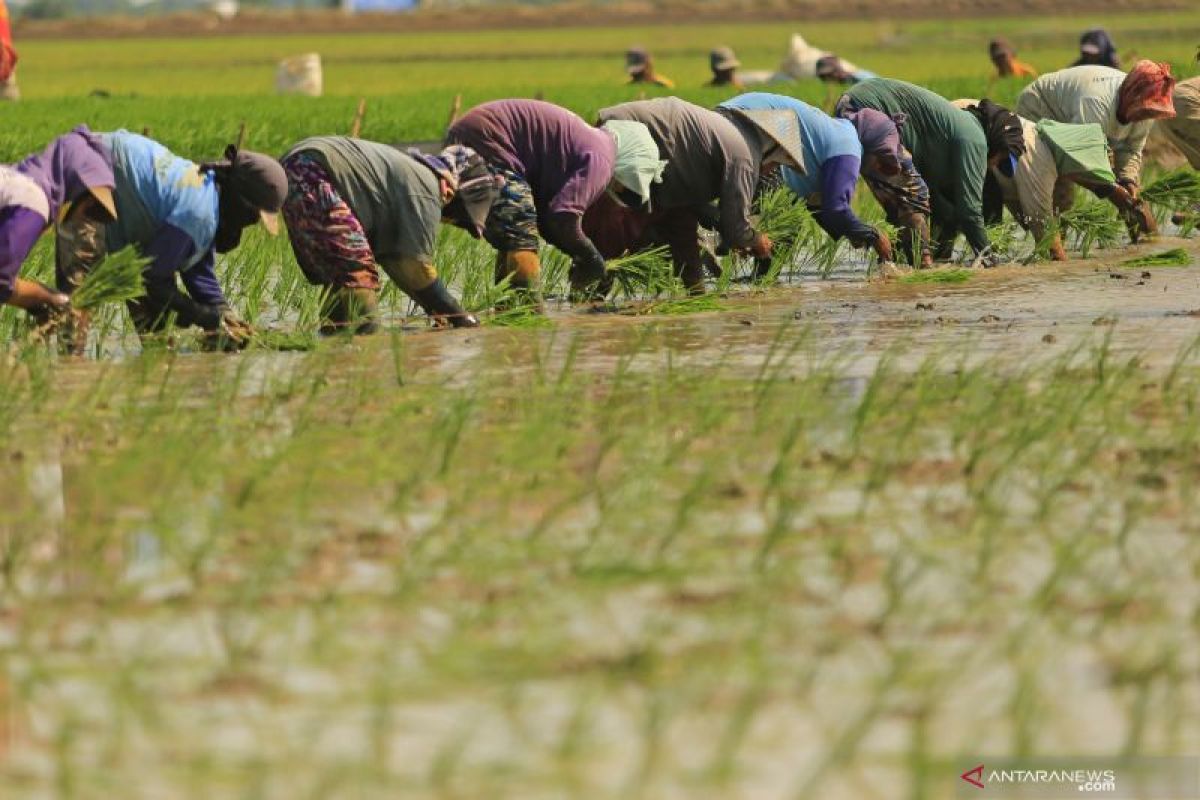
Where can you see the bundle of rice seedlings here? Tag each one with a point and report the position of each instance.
(117, 278)
(938, 276)
(1090, 225)
(278, 340)
(648, 273)
(1175, 191)
(1003, 237)
(524, 315)
(686, 305)
(1177, 257)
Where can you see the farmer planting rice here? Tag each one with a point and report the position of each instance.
(639, 65)
(71, 181)
(832, 68)
(553, 166)
(710, 156)
(1054, 151)
(1124, 106)
(353, 206)
(1004, 59)
(179, 215)
(1096, 48)
(724, 66)
(950, 150)
(1184, 128)
(832, 156)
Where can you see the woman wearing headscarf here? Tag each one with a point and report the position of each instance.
(1124, 106)
(180, 215)
(553, 166)
(1054, 152)
(71, 179)
(833, 156)
(723, 64)
(887, 167)
(1096, 48)
(950, 150)
(710, 155)
(353, 206)
(1004, 58)
(8, 58)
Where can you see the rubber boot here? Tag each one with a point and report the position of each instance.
(442, 308)
(522, 268)
(353, 310)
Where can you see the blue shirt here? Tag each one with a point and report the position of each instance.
(155, 187)
(832, 154)
(823, 137)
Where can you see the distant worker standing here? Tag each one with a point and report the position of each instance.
(8, 58)
(724, 65)
(1096, 48)
(1004, 58)
(640, 67)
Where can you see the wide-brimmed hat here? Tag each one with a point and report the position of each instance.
(636, 60)
(722, 58)
(782, 127)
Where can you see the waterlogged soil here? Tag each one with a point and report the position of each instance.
(418, 634)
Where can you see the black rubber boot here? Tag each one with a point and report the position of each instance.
(442, 308)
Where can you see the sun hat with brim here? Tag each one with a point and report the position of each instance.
(1078, 150)
(257, 180)
(723, 58)
(636, 60)
(781, 126)
(637, 164)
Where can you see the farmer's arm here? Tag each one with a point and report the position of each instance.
(839, 175)
(737, 198)
(19, 231)
(969, 162)
(1127, 154)
(169, 250)
(564, 222)
(201, 282)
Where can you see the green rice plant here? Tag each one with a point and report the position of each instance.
(1174, 191)
(283, 340)
(938, 275)
(1175, 257)
(645, 274)
(117, 278)
(1091, 224)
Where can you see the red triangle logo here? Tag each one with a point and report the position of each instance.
(974, 776)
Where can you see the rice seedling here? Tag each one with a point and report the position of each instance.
(1174, 191)
(938, 275)
(117, 278)
(1091, 224)
(1175, 257)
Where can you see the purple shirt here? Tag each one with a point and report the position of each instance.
(19, 231)
(567, 163)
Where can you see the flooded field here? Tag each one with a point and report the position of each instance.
(829, 541)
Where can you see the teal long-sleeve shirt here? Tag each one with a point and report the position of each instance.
(948, 148)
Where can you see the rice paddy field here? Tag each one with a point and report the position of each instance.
(813, 537)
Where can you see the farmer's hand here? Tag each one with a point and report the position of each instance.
(1122, 198)
(52, 314)
(1130, 187)
(883, 246)
(761, 246)
(230, 333)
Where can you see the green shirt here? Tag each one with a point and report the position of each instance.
(395, 197)
(948, 148)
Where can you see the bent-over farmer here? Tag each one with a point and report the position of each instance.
(354, 205)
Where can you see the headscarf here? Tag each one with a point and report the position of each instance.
(1001, 127)
(1147, 87)
(475, 186)
(637, 61)
(1000, 47)
(637, 164)
(1096, 47)
(71, 166)
(878, 132)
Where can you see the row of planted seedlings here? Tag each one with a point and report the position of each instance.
(349, 574)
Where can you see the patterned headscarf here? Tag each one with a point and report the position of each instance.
(475, 185)
(878, 132)
(1146, 92)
